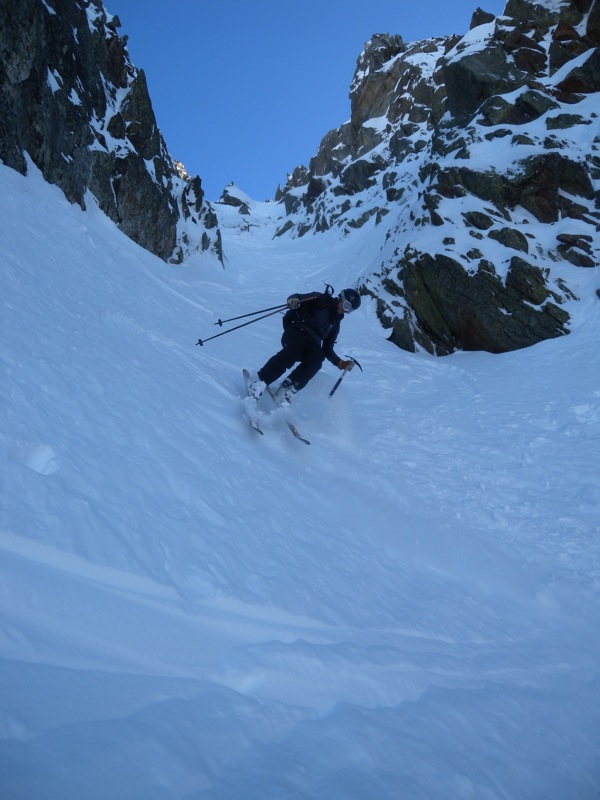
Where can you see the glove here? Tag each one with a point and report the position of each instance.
(346, 364)
(293, 302)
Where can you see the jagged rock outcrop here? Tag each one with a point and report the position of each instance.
(233, 197)
(486, 313)
(468, 151)
(71, 101)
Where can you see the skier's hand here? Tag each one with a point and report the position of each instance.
(348, 365)
(293, 302)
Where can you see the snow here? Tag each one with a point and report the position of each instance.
(74, 98)
(566, 69)
(48, 8)
(377, 123)
(552, 5)
(472, 41)
(54, 81)
(406, 608)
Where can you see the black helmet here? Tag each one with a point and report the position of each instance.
(350, 300)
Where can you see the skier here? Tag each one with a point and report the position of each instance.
(310, 327)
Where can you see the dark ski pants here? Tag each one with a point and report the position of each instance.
(297, 345)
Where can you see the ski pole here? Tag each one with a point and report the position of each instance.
(222, 322)
(272, 310)
(243, 325)
(343, 375)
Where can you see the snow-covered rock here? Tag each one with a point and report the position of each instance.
(470, 152)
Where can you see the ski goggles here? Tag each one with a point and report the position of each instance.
(347, 306)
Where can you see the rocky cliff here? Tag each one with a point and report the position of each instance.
(480, 156)
(477, 156)
(72, 102)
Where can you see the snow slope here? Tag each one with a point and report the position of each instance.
(406, 608)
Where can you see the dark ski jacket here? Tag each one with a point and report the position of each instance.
(318, 317)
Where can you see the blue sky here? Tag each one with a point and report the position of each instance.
(245, 91)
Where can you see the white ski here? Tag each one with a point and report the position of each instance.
(290, 424)
(251, 420)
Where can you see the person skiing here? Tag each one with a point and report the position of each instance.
(310, 329)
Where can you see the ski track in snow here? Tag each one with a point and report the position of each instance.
(408, 607)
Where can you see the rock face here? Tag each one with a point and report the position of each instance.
(72, 102)
(479, 158)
